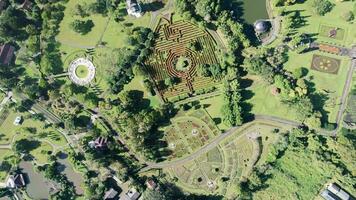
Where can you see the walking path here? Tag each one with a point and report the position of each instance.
(215, 142)
(345, 93)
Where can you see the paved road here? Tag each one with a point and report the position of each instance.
(215, 142)
(194, 155)
(5, 100)
(345, 93)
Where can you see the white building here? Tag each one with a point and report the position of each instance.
(133, 8)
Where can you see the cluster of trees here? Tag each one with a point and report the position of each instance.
(232, 110)
(335, 156)
(51, 172)
(321, 7)
(293, 89)
(141, 42)
(82, 26)
(139, 123)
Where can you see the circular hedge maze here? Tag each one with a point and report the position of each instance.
(180, 47)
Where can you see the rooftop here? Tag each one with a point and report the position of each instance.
(6, 54)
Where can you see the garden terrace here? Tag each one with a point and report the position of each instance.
(190, 131)
(175, 41)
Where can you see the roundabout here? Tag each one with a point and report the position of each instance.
(81, 71)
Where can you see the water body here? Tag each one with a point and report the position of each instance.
(72, 176)
(251, 10)
(38, 187)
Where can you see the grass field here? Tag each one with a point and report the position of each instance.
(67, 36)
(265, 103)
(81, 71)
(137, 84)
(297, 176)
(324, 31)
(9, 130)
(333, 83)
(3, 154)
(105, 29)
(213, 107)
(320, 24)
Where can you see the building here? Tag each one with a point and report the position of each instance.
(133, 8)
(111, 194)
(334, 192)
(261, 26)
(99, 143)
(16, 181)
(132, 194)
(6, 54)
(2, 5)
(151, 184)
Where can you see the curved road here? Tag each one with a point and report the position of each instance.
(215, 142)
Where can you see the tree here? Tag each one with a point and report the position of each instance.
(321, 7)
(25, 145)
(80, 11)
(203, 70)
(82, 27)
(169, 82)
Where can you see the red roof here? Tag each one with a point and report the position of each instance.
(101, 142)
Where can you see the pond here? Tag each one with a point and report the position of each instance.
(73, 176)
(38, 187)
(252, 10)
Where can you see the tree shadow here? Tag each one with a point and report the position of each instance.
(152, 6)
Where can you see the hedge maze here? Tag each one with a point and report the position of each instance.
(176, 41)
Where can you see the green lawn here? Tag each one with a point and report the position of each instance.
(40, 153)
(68, 37)
(214, 106)
(9, 130)
(81, 71)
(332, 83)
(315, 23)
(324, 31)
(3, 154)
(116, 34)
(297, 176)
(137, 84)
(265, 103)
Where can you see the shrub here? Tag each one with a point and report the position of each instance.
(348, 16)
(82, 27)
(321, 7)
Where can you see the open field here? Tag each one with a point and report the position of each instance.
(213, 107)
(9, 130)
(297, 176)
(4, 153)
(265, 103)
(330, 85)
(137, 84)
(68, 37)
(327, 32)
(232, 159)
(321, 24)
